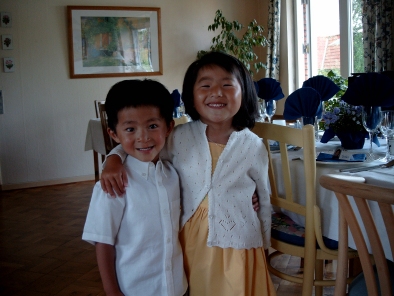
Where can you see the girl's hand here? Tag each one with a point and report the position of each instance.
(255, 201)
(114, 178)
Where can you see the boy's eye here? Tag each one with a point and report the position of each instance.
(152, 126)
(130, 129)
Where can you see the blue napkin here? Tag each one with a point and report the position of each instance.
(370, 89)
(269, 89)
(176, 96)
(326, 157)
(323, 85)
(302, 102)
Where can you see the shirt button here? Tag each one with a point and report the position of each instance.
(168, 240)
(143, 174)
(165, 212)
(168, 268)
(210, 216)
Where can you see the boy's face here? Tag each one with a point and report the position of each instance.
(142, 132)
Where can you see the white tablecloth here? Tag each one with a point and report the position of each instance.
(94, 137)
(326, 199)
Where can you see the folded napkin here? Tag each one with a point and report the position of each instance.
(302, 102)
(370, 89)
(323, 85)
(269, 89)
(176, 96)
(340, 156)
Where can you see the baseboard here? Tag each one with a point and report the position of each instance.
(5, 187)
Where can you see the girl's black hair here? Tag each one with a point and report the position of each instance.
(136, 93)
(247, 113)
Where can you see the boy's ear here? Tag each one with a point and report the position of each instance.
(113, 135)
(170, 128)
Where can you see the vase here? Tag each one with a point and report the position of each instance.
(351, 140)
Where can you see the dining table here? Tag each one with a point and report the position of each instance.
(326, 199)
(95, 141)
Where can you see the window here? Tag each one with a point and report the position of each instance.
(323, 31)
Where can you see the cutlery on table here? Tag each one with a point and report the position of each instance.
(360, 169)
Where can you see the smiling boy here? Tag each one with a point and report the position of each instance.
(136, 237)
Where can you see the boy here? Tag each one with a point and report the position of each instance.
(136, 237)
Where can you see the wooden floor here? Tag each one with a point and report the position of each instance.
(41, 251)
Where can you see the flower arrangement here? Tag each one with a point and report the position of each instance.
(340, 116)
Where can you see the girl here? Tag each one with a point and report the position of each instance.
(220, 163)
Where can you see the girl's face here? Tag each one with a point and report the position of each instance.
(217, 95)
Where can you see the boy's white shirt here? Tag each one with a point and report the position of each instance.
(143, 225)
(241, 170)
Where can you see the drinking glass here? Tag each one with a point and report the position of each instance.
(270, 108)
(387, 129)
(372, 118)
(261, 110)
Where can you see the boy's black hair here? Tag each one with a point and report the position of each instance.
(136, 93)
(248, 111)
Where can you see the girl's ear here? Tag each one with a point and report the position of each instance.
(113, 135)
(170, 128)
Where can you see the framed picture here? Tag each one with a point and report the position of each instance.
(6, 19)
(9, 65)
(110, 41)
(7, 42)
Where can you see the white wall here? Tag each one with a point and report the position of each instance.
(43, 128)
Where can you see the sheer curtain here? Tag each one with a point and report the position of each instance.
(377, 35)
(273, 39)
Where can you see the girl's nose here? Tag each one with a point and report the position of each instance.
(216, 91)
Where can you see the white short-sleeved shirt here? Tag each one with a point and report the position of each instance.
(143, 226)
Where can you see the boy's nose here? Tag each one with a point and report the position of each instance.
(143, 136)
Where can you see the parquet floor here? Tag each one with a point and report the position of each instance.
(41, 251)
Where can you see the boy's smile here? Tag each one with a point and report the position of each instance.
(142, 132)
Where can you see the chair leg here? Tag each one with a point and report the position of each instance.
(96, 166)
(319, 273)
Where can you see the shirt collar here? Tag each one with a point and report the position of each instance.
(143, 168)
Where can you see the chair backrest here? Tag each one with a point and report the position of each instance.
(297, 137)
(109, 143)
(96, 107)
(181, 120)
(347, 188)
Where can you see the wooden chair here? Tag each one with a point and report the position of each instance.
(181, 120)
(95, 154)
(311, 248)
(349, 188)
(109, 143)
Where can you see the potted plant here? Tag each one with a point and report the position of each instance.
(342, 119)
(242, 48)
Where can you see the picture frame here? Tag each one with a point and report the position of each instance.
(9, 65)
(5, 19)
(7, 42)
(114, 41)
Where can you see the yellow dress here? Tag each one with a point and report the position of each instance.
(215, 271)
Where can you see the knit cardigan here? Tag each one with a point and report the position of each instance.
(242, 169)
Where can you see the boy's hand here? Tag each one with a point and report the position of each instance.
(114, 178)
(255, 201)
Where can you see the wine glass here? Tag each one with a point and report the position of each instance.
(319, 117)
(262, 116)
(372, 118)
(270, 108)
(387, 129)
